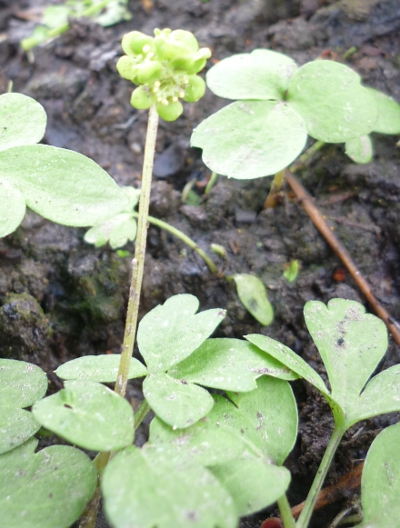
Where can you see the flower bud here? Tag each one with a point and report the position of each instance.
(199, 60)
(171, 111)
(147, 72)
(142, 98)
(133, 42)
(168, 49)
(125, 67)
(187, 38)
(195, 89)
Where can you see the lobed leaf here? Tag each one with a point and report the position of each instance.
(360, 149)
(380, 484)
(178, 403)
(117, 230)
(150, 487)
(103, 368)
(262, 74)
(12, 208)
(21, 383)
(388, 113)
(351, 344)
(23, 120)
(172, 331)
(61, 185)
(89, 415)
(48, 489)
(229, 364)
(249, 139)
(329, 97)
(252, 293)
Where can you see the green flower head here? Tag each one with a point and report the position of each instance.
(164, 67)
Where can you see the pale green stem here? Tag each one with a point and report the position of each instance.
(188, 241)
(89, 516)
(141, 413)
(305, 516)
(30, 42)
(276, 186)
(286, 513)
(211, 183)
(140, 250)
(308, 154)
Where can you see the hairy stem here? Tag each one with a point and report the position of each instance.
(140, 250)
(286, 514)
(188, 241)
(326, 461)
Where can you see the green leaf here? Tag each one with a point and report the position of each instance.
(89, 415)
(388, 113)
(263, 422)
(289, 358)
(229, 364)
(262, 74)
(351, 344)
(16, 427)
(360, 149)
(380, 484)
(117, 230)
(23, 120)
(61, 185)
(102, 368)
(21, 383)
(251, 291)
(56, 15)
(249, 139)
(332, 102)
(48, 489)
(12, 209)
(148, 487)
(178, 403)
(114, 12)
(172, 331)
(253, 483)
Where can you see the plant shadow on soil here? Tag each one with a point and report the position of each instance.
(61, 298)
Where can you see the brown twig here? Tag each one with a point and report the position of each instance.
(313, 212)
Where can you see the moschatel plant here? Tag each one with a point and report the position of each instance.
(211, 456)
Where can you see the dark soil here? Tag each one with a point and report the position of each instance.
(61, 298)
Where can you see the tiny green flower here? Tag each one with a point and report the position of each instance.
(164, 67)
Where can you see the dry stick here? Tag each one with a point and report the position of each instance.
(312, 211)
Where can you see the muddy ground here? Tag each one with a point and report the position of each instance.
(60, 298)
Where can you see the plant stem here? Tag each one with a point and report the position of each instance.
(326, 461)
(286, 514)
(276, 186)
(89, 516)
(211, 183)
(188, 241)
(140, 250)
(141, 413)
(307, 156)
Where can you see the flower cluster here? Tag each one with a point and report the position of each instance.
(165, 68)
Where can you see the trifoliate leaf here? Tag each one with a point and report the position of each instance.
(12, 208)
(360, 149)
(21, 383)
(388, 113)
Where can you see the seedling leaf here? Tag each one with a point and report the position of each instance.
(351, 344)
(149, 487)
(229, 364)
(61, 185)
(178, 403)
(360, 149)
(12, 208)
(332, 102)
(172, 331)
(21, 384)
(252, 293)
(17, 426)
(380, 484)
(253, 483)
(23, 120)
(388, 113)
(47, 489)
(102, 368)
(249, 139)
(118, 230)
(262, 74)
(89, 415)
(289, 358)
